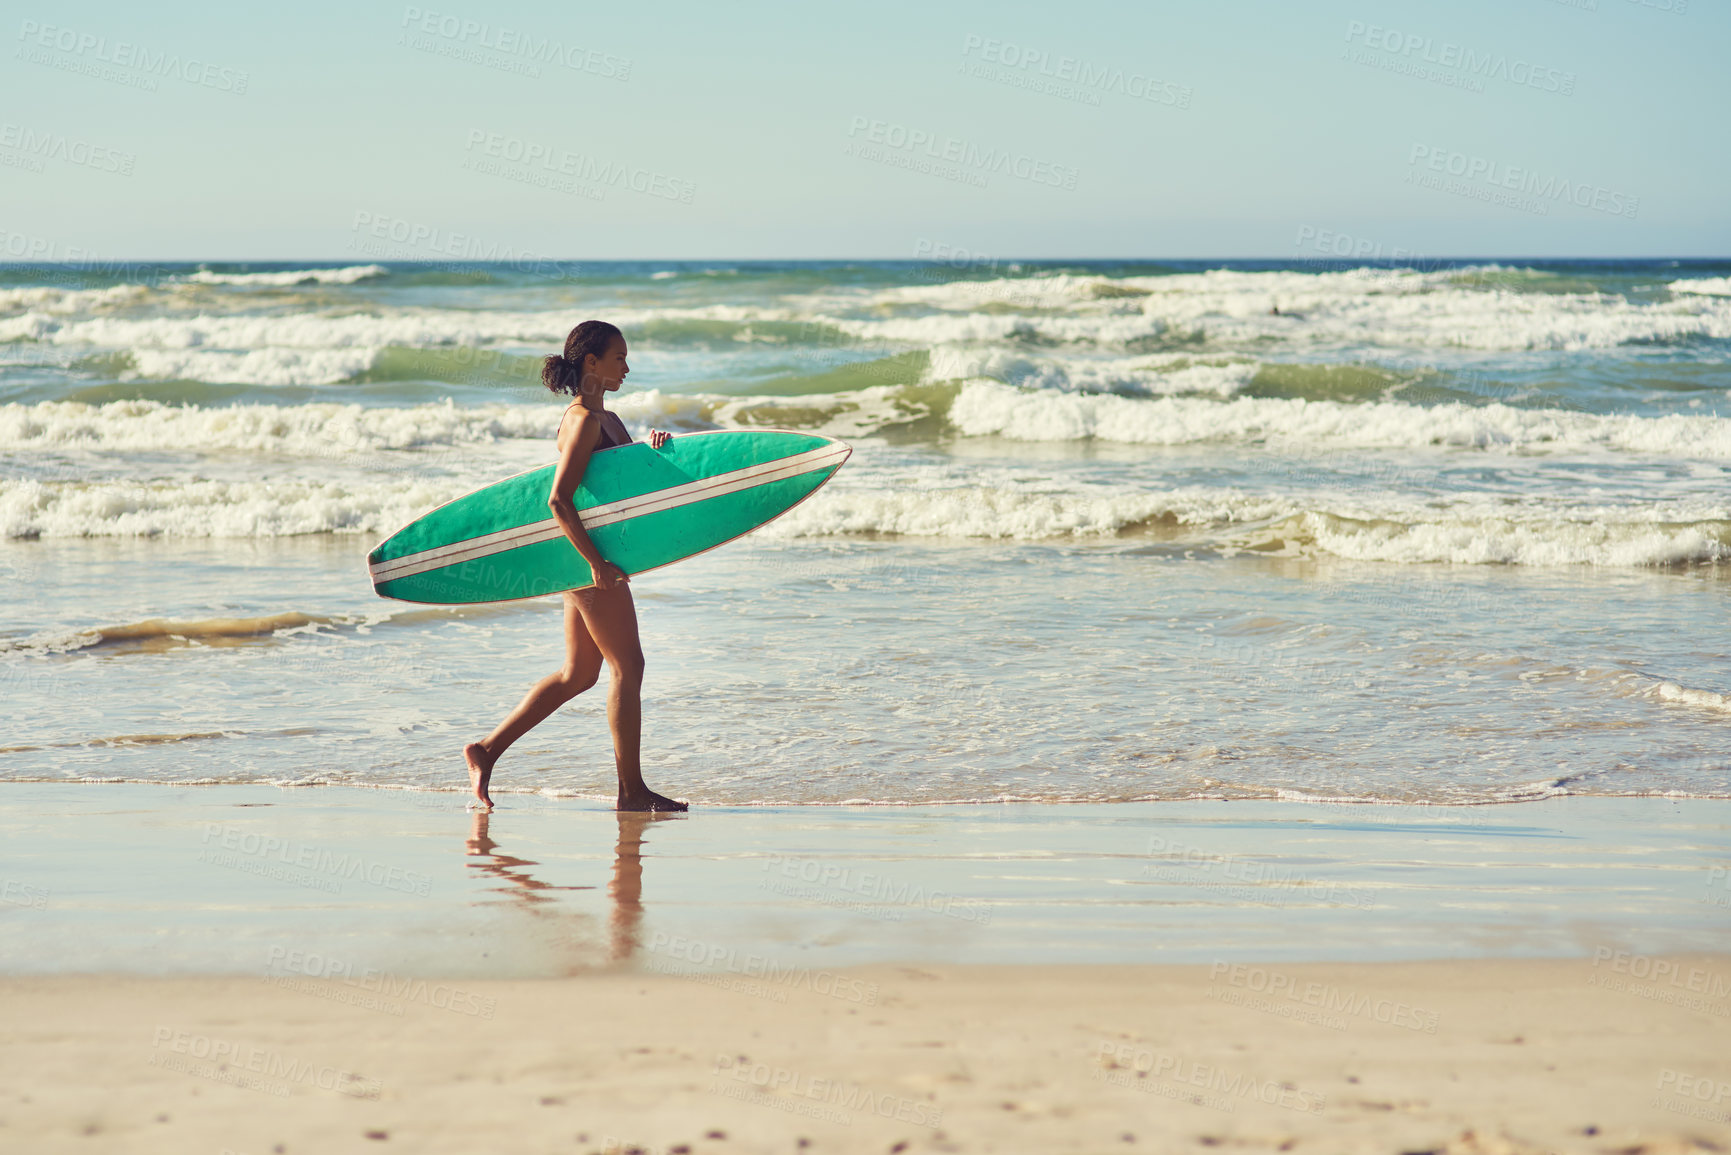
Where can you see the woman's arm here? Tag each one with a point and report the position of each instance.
(573, 460)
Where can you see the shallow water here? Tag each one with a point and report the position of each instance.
(1111, 532)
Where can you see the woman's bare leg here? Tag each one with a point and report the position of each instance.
(611, 618)
(582, 667)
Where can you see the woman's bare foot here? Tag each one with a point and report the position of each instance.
(648, 800)
(480, 772)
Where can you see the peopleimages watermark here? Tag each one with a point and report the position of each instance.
(384, 236)
(1411, 598)
(505, 48)
(20, 678)
(302, 863)
(1697, 1096)
(1718, 877)
(768, 978)
(1660, 980)
(614, 1145)
(1263, 664)
(1124, 1065)
(1480, 178)
(806, 1095)
(328, 977)
(825, 881)
(562, 170)
(23, 894)
(1330, 242)
(121, 62)
(1243, 877)
(1066, 77)
(1451, 63)
(1323, 1004)
(30, 149)
(73, 263)
(947, 256)
(251, 1067)
(951, 158)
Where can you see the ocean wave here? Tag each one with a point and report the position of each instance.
(1672, 694)
(954, 503)
(988, 408)
(156, 635)
(49, 299)
(977, 408)
(1705, 286)
(317, 348)
(1060, 331)
(209, 508)
(343, 276)
(331, 430)
(1466, 531)
(1465, 535)
(321, 430)
(251, 331)
(1359, 307)
(1153, 374)
(981, 511)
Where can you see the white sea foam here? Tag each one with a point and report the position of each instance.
(250, 331)
(1705, 286)
(1673, 694)
(976, 511)
(47, 299)
(1352, 308)
(344, 276)
(270, 366)
(326, 429)
(886, 494)
(980, 408)
(1467, 533)
(987, 408)
(312, 348)
(205, 508)
(1397, 530)
(1157, 374)
(314, 430)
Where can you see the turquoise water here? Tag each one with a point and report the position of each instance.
(1111, 532)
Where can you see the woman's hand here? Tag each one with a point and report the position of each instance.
(608, 575)
(658, 438)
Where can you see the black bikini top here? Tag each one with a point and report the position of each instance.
(608, 439)
(608, 436)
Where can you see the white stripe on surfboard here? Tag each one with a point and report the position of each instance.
(597, 516)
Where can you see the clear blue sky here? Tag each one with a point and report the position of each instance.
(358, 111)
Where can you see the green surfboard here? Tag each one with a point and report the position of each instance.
(643, 508)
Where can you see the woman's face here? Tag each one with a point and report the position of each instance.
(608, 370)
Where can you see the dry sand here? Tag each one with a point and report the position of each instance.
(1476, 1056)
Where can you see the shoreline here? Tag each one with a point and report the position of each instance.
(1279, 797)
(210, 880)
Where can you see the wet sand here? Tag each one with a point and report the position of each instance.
(248, 969)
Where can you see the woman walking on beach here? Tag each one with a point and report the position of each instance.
(601, 620)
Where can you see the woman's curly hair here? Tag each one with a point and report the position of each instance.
(564, 374)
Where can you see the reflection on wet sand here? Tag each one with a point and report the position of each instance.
(522, 887)
(625, 888)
